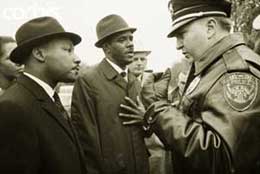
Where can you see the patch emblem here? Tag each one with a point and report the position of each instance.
(240, 90)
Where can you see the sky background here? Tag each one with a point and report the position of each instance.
(150, 17)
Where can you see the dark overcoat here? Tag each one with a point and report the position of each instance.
(109, 146)
(35, 136)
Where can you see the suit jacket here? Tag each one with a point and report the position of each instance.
(35, 136)
(110, 147)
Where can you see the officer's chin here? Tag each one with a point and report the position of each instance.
(189, 58)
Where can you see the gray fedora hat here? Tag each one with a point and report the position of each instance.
(110, 25)
(36, 32)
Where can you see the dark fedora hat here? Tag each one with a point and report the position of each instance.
(38, 31)
(185, 11)
(110, 25)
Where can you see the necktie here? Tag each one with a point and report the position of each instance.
(189, 78)
(64, 113)
(59, 105)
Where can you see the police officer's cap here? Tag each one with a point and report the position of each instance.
(185, 11)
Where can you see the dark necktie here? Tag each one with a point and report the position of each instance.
(59, 105)
(189, 78)
(65, 115)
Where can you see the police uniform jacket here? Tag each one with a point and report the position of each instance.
(216, 127)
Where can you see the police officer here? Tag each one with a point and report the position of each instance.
(215, 128)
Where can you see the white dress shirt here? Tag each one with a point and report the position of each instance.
(117, 68)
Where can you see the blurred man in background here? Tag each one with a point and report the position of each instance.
(138, 66)
(9, 71)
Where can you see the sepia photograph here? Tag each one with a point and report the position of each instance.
(130, 87)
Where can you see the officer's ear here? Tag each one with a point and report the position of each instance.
(211, 27)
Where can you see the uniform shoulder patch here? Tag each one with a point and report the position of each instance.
(240, 90)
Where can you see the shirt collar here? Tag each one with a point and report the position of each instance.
(49, 90)
(116, 67)
(217, 50)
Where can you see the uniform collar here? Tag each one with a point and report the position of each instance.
(47, 88)
(217, 50)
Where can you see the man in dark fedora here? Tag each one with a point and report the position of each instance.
(215, 127)
(37, 134)
(110, 147)
(9, 71)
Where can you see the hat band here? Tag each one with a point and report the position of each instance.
(189, 9)
(196, 15)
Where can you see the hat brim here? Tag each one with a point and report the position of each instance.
(19, 54)
(176, 26)
(101, 40)
(142, 52)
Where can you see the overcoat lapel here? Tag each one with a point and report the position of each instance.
(46, 103)
(53, 111)
(111, 74)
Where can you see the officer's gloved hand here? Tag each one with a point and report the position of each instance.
(151, 114)
(134, 112)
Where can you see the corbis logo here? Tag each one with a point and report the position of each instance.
(170, 8)
(34, 10)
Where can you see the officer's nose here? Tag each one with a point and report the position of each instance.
(179, 44)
